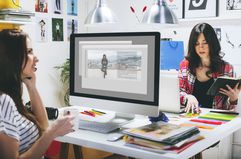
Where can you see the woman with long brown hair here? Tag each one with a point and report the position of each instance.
(23, 134)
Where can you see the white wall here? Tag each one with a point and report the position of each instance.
(51, 53)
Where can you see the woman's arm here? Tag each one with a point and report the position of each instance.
(9, 146)
(37, 106)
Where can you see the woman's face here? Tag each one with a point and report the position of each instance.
(201, 47)
(30, 67)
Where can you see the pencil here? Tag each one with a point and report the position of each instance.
(98, 111)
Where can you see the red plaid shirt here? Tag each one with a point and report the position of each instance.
(186, 82)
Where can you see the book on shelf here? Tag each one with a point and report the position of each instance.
(165, 133)
(221, 82)
(16, 12)
(218, 116)
(15, 17)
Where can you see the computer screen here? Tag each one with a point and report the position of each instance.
(116, 71)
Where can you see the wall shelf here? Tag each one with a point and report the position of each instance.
(14, 22)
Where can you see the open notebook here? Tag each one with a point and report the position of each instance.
(169, 95)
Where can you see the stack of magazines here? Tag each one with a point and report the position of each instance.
(162, 137)
(16, 15)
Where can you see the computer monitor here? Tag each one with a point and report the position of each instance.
(116, 71)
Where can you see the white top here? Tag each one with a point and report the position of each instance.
(13, 124)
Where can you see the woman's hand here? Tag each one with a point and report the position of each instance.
(29, 80)
(192, 105)
(233, 94)
(61, 126)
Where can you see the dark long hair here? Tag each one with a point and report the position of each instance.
(215, 53)
(13, 58)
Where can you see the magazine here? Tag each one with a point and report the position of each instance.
(162, 132)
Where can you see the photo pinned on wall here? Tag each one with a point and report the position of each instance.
(177, 7)
(72, 27)
(218, 33)
(57, 29)
(200, 8)
(57, 6)
(41, 29)
(41, 6)
(72, 7)
(230, 8)
(231, 44)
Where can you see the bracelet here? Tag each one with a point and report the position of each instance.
(234, 102)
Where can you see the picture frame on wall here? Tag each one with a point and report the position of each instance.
(200, 8)
(230, 8)
(176, 6)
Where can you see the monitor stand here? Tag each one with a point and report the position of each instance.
(122, 118)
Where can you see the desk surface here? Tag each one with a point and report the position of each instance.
(98, 141)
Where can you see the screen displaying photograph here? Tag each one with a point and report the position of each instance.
(121, 65)
(115, 67)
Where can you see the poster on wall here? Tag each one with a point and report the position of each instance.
(177, 7)
(230, 8)
(200, 8)
(231, 44)
(57, 6)
(57, 29)
(72, 27)
(41, 6)
(72, 7)
(41, 29)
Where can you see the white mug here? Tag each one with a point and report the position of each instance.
(75, 113)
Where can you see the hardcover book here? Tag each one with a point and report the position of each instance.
(221, 82)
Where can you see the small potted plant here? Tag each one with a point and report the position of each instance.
(64, 78)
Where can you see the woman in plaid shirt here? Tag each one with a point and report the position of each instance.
(202, 65)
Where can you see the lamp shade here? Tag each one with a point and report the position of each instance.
(160, 13)
(101, 14)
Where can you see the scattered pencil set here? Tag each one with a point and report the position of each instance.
(93, 112)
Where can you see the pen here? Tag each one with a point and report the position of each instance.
(98, 111)
(224, 112)
(198, 126)
(207, 121)
(90, 113)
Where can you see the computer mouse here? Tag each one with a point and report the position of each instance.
(114, 137)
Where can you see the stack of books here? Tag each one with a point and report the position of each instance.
(16, 15)
(162, 137)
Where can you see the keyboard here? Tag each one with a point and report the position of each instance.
(97, 126)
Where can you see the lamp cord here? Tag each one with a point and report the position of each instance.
(16, 4)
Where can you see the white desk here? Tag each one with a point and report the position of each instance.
(98, 141)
